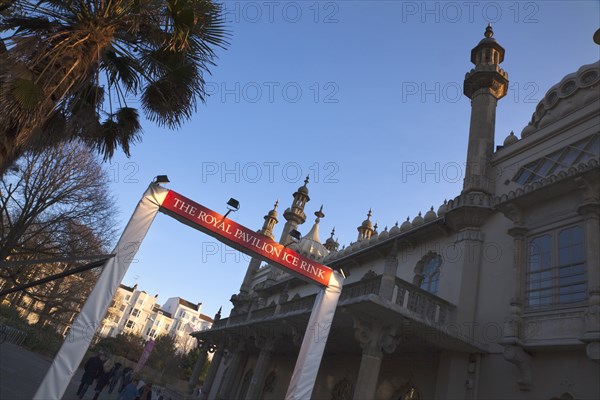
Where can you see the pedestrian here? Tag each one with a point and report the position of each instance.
(146, 392)
(130, 391)
(125, 378)
(91, 369)
(115, 375)
(101, 381)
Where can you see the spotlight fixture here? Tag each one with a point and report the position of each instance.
(232, 205)
(161, 179)
(295, 236)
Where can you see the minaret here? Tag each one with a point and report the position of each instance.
(365, 230)
(331, 244)
(484, 85)
(270, 221)
(254, 265)
(295, 215)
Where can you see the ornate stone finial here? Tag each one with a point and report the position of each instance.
(369, 213)
(375, 227)
(306, 180)
(488, 31)
(276, 204)
(319, 214)
(333, 232)
(218, 314)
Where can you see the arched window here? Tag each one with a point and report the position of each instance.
(427, 272)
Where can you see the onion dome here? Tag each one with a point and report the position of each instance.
(406, 225)
(418, 220)
(367, 222)
(273, 212)
(304, 189)
(353, 247)
(384, 235)
(365, 230)
(375, 235)
(395, 229)
(310, 245)
(443, 208)
(510, 139)
(430, 215)
(331, 244)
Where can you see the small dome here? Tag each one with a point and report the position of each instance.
(374, 235)
(395, 229)
(384, 235)
(273, 212)
(443, 208)
(510, 139)
(430, 215)
(367, 222)
(331, 240)
(303, 189)
(418, 220)
(406, 225)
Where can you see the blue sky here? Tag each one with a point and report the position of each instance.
(354, 94)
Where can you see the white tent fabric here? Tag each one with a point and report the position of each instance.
(73, 350)
(315, 339)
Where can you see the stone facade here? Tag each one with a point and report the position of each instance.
(494, 296)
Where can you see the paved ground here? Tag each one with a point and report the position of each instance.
(21, 372)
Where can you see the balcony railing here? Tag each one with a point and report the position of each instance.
(263, 313)
(301, 304)
(420, 304)
(427, 306)
(361, 288)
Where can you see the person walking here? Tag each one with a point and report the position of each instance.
(91, 369)
(146, 392)
(130, 391)
(101, 381)
(125, 378)
(115, 375)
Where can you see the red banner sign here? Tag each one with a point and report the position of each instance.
(243, 239)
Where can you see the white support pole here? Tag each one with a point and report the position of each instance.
(315, 339)
(73, 350)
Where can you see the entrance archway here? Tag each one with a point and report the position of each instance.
(155, 199)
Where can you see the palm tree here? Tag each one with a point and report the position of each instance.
(69, 68)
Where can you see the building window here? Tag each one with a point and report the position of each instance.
(135, 312)
(127, 297)
(427, 272)
(556, 271)
(560, 160)
(122, 308)
(130, 324)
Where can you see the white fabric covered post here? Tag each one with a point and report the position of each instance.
(73, 350)
(315, 339)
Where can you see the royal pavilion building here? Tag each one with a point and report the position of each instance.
(494, 295)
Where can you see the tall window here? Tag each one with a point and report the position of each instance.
(556, 272)
(427, 272)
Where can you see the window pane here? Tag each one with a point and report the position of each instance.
(539, 253)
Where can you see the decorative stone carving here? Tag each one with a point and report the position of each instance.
(270, 382)
(373, 338)
(517, 356)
